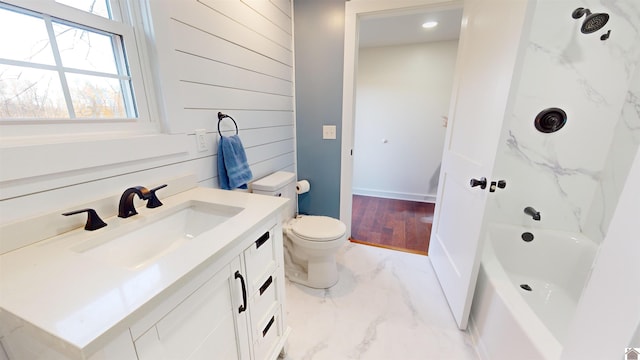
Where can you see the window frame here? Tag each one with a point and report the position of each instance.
(127, 23)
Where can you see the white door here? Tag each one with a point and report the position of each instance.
(487, 60)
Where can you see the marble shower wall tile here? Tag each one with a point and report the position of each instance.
(560, 173)
(625, 143)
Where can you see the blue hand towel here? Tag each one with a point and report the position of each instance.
(233, 169)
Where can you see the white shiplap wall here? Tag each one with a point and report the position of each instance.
(235, 57)
(207, 56)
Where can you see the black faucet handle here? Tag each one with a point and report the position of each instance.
(158, 188)
(93, 220)
(153, 201)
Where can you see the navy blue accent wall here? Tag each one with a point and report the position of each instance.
(319, 60)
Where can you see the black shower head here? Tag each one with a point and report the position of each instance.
(592, 22)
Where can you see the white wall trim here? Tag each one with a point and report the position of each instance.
(29, 161)
(395, 195)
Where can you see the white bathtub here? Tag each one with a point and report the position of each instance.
(509, 322)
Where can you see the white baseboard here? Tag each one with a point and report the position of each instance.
(395, 195)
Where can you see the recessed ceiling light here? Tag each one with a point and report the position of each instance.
(430, 24)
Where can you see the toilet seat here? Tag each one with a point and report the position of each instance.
(318, 228)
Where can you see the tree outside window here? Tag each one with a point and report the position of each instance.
(54, 68)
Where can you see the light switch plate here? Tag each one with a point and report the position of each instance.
(201, 140)
(329, 132)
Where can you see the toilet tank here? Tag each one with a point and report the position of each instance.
(280, 183)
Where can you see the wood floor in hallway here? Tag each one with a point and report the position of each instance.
(393, 224)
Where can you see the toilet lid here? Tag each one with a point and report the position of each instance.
(318, 228)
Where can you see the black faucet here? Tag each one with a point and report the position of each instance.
(126, 207)
(532, 212)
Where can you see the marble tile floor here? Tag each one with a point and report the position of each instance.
(387, 305)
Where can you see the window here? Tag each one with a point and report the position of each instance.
(98, 7)
(69, 62)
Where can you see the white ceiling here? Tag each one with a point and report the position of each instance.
(406, 28)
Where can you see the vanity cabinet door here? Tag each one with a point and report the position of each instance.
(206, 325)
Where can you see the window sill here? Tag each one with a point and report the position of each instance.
(24, 158)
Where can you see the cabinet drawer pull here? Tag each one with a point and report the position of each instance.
(262, 240)
(266, 284)
(242, 307)
(266, 328)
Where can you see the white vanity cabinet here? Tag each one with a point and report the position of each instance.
(228, 307)
(206, 325)
(234, 314)
(207, 283)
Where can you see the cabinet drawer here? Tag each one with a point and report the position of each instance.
(268, 336)
(264, 301)
(260, 259)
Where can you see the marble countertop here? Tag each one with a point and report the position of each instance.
(73, 299)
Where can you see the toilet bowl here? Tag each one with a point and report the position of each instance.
(310, 242)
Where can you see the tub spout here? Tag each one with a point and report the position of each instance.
(532, 212)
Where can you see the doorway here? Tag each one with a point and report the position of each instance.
(402, 94)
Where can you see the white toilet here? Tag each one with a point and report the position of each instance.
(311, 242)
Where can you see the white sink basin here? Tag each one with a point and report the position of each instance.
(155, 238)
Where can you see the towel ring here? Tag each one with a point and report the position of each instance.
(222, 116)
